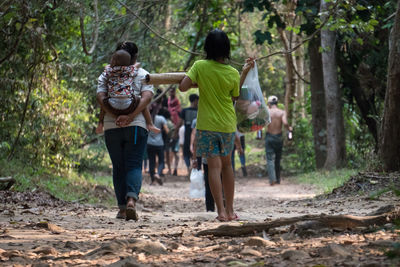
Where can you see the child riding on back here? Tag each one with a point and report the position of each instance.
(121, 99)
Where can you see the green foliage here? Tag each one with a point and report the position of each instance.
(299, 153)
(271, 15)
(326, 181)
(359, 141)
(93, 158)
(68, 185)
(261, 37)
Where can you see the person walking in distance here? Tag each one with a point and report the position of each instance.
(187, 116)
(174, 108)
(274, 141)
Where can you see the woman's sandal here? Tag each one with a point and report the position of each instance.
(158, 179)
(131, 214)
(120, 215)
(235, 217)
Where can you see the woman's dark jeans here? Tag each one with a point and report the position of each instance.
(152, 152)
(126, 147)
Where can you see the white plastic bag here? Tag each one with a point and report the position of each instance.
(197, 188)
(251, 111)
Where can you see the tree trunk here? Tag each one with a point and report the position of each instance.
(390, 138)
(367, 107)
(290, 79)
(336, 143)
(317, 102)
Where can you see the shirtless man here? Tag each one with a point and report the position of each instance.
(273, 140)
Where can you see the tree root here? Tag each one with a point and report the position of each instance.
(331, 221)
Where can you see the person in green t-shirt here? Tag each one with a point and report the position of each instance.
(218, 84)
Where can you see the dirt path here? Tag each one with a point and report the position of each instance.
(40, 231)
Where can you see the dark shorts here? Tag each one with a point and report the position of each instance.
(214, 144)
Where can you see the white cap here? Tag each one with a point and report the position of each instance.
(272, 99)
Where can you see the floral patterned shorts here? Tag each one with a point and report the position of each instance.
(214, 144)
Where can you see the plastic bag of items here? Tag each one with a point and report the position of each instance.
(197, 188)
(251, 111)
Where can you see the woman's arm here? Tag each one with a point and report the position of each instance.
(165, 128)
(186, 84)
(193, 148)
(125, 120)
(246, 68)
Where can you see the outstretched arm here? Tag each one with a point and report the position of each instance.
(186, 84)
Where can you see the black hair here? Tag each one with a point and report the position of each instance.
(217, 45)
(193, 97)
(129, 47)
(165, 113)
(120, 58)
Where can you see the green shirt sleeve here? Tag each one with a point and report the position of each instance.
(193, 73)
(236, 89)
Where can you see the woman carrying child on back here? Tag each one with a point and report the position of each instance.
(218, 84)
(125, 124)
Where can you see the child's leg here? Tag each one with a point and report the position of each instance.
(100, 125)
(149, 121)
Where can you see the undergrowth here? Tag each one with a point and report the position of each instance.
(69, 185)
(326, 180)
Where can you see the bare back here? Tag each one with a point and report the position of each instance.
(278, 119)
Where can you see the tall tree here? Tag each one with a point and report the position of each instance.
(390, 141)
(336, 145)
(317, 102)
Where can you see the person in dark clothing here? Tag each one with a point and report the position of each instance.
(187, 116)
(274, 141)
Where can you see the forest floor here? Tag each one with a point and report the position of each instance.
(39, 230)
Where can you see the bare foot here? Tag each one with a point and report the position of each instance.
(233, 217)
(153, 128)
(222, 216)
